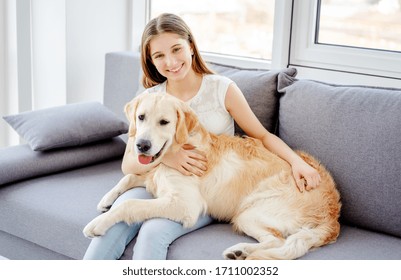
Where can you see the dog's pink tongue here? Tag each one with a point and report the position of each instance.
(144, 159)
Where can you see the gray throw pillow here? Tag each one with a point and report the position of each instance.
(260, 90)
(65, 126)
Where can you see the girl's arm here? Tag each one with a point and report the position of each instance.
(240, 110)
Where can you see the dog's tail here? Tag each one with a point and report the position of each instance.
(299, 243)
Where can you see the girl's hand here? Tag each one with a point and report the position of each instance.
(187, 160)
(306, 176)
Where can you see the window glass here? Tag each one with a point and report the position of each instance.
(236, 27)
(374, 24)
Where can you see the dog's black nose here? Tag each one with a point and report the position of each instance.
(143, 145)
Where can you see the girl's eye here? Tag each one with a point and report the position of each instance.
(176, 50)
(141, 117)
(164, 122)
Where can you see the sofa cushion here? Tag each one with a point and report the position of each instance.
(121, 80)
(51, 211)
(356, 133)
(15, 248)
(66, 126)
(20, 162)
(208, 243)
(260, 90)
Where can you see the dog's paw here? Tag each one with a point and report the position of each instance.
(236, 252)
(188, 222)
(106, 202)
(95, 228)
(103, 207)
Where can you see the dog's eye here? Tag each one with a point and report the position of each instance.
(164, 122)
(141, 117)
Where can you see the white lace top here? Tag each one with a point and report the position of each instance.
(209, 105)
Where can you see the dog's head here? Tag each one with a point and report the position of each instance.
(157, 122)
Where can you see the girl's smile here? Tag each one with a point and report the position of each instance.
(176, 70)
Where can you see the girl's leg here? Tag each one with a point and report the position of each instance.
(157, 234)
(112, 245)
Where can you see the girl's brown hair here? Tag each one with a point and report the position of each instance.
(167, 23)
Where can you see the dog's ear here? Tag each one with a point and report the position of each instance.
(186, 123)
(130, 113)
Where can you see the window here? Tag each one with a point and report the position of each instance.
(354, 40)
(334, 43)
(237, 27)
(374, 24)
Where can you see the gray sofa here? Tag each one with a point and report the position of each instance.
(47, 197)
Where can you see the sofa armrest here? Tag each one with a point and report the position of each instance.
(20, 162)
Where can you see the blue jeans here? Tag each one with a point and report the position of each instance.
(153, 239)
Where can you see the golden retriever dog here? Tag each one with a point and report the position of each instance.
(244, 184)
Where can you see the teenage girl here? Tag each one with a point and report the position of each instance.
(171, 63)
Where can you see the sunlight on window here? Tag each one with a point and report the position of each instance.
(236, 27)
(374, 24)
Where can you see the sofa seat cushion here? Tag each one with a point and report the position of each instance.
(359, 244)
(15, 248)
(52, 211)
(353, 244)
(356, 133)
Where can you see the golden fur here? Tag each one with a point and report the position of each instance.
(245, 185)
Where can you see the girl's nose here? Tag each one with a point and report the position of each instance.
(169, 60)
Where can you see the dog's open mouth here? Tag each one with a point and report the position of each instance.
(145, 159)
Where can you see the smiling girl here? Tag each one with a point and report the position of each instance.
(171, 63)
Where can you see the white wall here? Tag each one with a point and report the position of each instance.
(94, 27)
(69, 40)
(48, 33)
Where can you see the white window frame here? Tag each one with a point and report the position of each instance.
(306, 53)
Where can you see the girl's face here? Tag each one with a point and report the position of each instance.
(171, 55)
